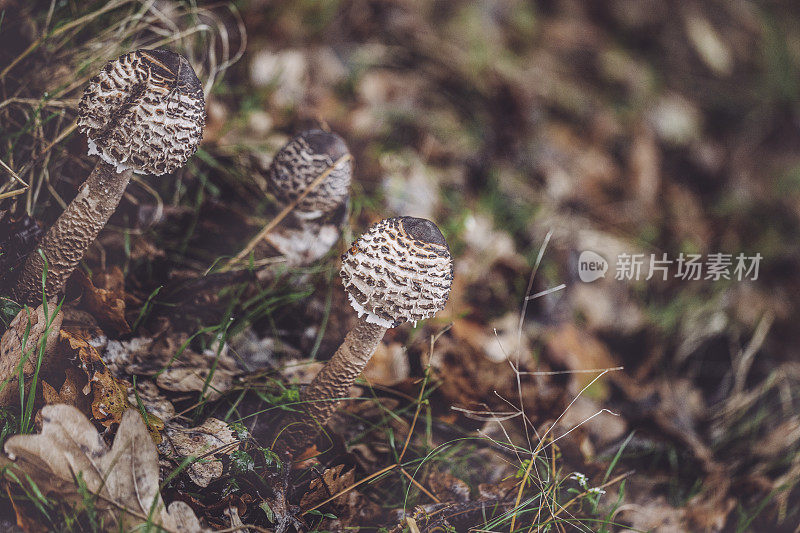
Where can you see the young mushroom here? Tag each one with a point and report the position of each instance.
(399, 271)
(295, 167)
(313, 170)
(144, 113)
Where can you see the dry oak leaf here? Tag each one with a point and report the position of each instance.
(207, 442)
(110, 395)
(21, 343)
(331, 482)
(175, 367)
(104, 297)
(156, 404)
(579, 351)
(124, 478)
(447, 487)
(350, 508)
(50, 394)
(212, 383)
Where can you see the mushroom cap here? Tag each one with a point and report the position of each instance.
(399, 270)
(144, 111)
(301, 161)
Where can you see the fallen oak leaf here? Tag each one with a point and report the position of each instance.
(104, 297)
(50, 394)
(71, 391)
(124, 478)
(207, 442)
(448, 487)
(175, 367)
(156, 404)
(351, 507)
(213, 383)
(110, 394)
(332, 481)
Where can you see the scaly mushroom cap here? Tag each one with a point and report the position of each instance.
(144, 111)
(301, 161)
(399, 270)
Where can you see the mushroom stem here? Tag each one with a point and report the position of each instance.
(73, 232)
(321, 398)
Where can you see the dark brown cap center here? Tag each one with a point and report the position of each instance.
(323, 142)
(423, 230)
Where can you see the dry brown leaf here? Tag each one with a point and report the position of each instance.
(300, 371)
(579, 351)
(351, 507)
(110, 394)
(70, 392)
(125, 477)
(195, 379)
(50, 394)
(604, 428)
(388, 365)
(470, 380)
(654, 514)
(331, 482)
(22, 342)
(208, 442)
(447, 487)
(154, 402)
(104, 298)
(176, 367)
(502, 490)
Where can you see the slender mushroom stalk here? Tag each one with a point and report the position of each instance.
(144, 113)
(400, 270)
(318, 162)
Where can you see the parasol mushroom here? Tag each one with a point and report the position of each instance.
(144, 113)
(400, 270)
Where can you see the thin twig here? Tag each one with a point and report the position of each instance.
(420, 486)
(747, 355)
(9, 194)
(13, 174)
(61, 136)
(351, 487)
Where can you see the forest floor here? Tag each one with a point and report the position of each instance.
(530, 133)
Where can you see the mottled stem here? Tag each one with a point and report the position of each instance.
(321, 398)
(67, 240)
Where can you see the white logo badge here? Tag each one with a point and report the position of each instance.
(591, 266)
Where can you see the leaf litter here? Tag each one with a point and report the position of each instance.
(122, 481)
